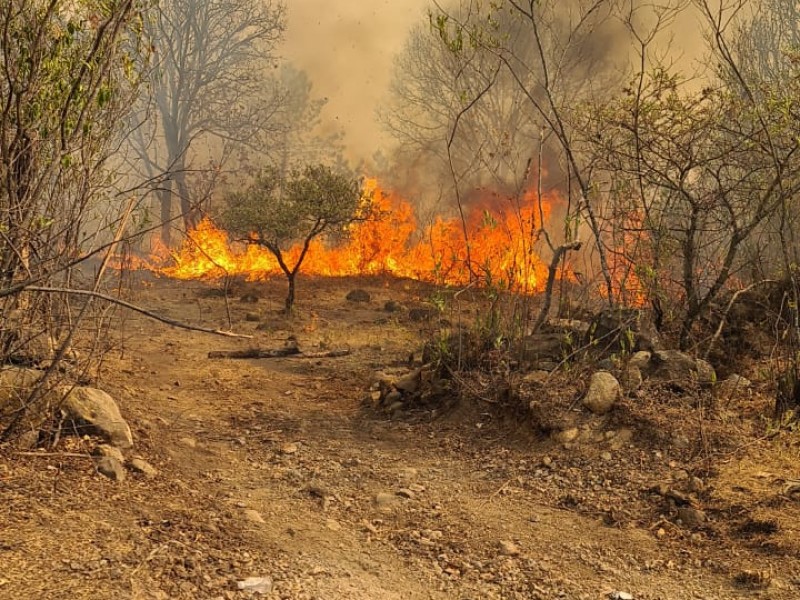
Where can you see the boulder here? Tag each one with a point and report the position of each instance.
(604, 391)
(358, 295)
(94, 411)
(680, 369)
(617, 330)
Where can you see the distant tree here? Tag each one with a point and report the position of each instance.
(278, 212)
(210, 84)
(299, 134)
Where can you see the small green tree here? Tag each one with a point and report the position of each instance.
(277, 211)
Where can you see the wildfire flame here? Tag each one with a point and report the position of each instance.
(490, 245)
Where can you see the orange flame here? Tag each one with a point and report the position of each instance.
(499, 248)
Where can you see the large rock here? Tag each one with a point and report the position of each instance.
(95, 411)
(679, 369)
(622, 330)
(604, 391)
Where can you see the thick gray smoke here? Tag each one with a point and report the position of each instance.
(347, 48)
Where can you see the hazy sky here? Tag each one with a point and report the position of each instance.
(347, 47)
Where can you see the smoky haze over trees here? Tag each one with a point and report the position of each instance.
(210, 94)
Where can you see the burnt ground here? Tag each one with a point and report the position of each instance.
(283, 468)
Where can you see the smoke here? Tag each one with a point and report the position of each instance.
(347, 48)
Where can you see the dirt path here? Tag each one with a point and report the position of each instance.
(281, 469)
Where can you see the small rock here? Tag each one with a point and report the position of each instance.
(408, 473)
(753, 579)
(706, 376)
(422, 314)
(691, 518)
(606, 456)
(358, 295)
(333, 525)
(392, 306)
(620, 596)
(141, 466)
(110, 451)
(604, 391)
(509, 548)
(188, 442)
(640, 360)
(567, 435)
(631, 379)
(256, 585)
(405, 493)
(253, 516)
(289, 448)
(395, 407)
(111, 468)
(547, 461)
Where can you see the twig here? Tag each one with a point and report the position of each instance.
(138, 309)
(288, 352)
(55, 454)
(497, 492)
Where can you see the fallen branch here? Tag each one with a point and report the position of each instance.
(288, 352)
(138, 309)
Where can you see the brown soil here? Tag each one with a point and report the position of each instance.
(359, 505)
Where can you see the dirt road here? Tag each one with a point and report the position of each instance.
(281, 469)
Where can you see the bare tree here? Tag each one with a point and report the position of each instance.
(211, 84)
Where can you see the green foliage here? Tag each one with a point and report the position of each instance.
(276, 211)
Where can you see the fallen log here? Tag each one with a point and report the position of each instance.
(289, 352)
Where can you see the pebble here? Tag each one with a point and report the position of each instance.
(143, 467)
(188, 442)
(253, 516)
(111, 468)
(691, 517)
(257, 585)
(620, 596)
(289, 448)
(509, 548)
(405, 493)
(568, 435)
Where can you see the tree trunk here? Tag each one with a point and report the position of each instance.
(290, 295)
(165, 200)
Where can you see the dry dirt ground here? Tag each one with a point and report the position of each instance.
(282, 469)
